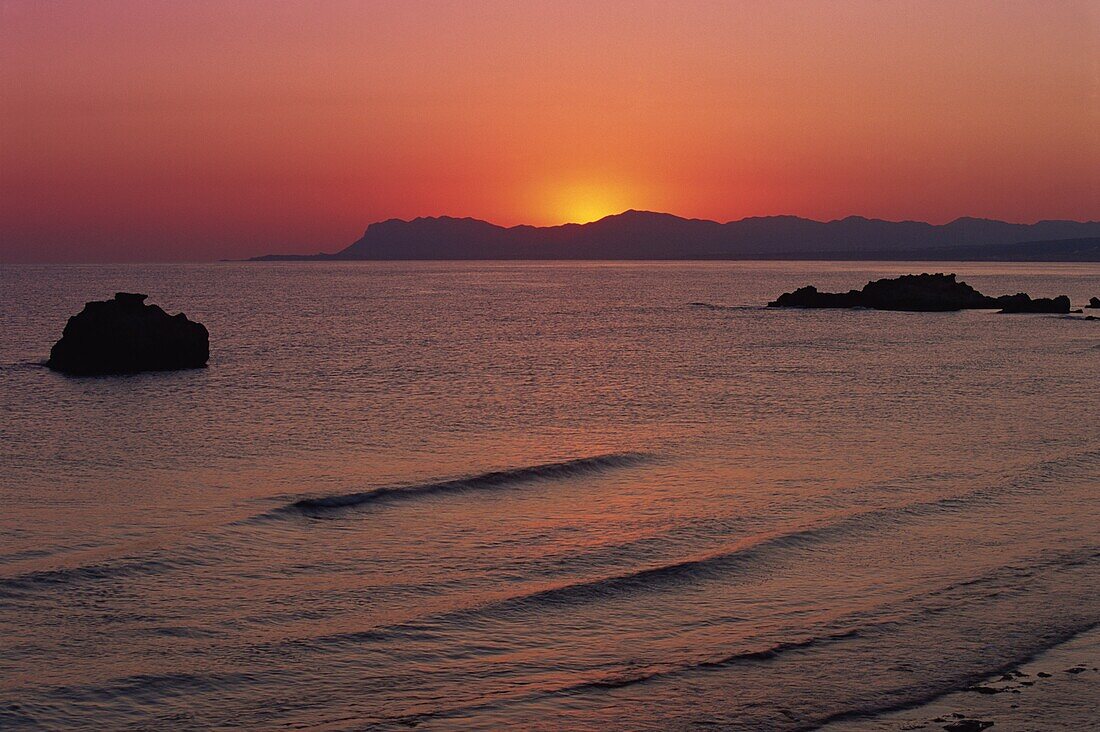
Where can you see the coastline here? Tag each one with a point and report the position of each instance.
(1059, 689)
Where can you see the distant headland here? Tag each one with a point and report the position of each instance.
(645, 235)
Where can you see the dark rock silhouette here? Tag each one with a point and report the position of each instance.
(1022, 303)
(645, 235)
(810, 297)
(1094, 302)
(919, 293)
(124, 335)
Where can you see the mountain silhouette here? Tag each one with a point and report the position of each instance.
(645, 235)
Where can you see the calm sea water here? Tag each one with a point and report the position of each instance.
(539, 496)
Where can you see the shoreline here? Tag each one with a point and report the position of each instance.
(1057, 689)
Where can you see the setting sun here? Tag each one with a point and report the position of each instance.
(580, 203)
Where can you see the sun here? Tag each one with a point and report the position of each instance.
(588, 208)
(580, 203)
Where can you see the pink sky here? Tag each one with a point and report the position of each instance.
(197, 130)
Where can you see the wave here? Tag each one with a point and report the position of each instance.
(716, 565)
(856, 524)
(732, 659)
(887, 622)
(18, 586)
(913, 701)
(484, 481)
(853, 627)
(123, 688)
(719, 563)
(641, 676)
(714, 306)
(13, 588)
(746, 556)
(145, 685)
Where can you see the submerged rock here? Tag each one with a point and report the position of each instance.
(919, 293)
(968, 725)
(987, 690)
(124, 335)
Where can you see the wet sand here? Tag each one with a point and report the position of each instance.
(1057, 690)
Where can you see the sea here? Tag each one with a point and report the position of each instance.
(540, 496)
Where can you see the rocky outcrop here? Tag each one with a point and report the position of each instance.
(1094, 302)
(124, 335)
(1022, 303)
(919, 293)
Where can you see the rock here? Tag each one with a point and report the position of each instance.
(1094, 302)
(124, 335)
(810, 297)
(1076, 670)
(1022, 303)
(1043, 675)
(919, 293)
(987, 690)
(967, 725)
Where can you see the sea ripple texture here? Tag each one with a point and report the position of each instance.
(583, 496)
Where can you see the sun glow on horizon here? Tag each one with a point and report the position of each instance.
(146, 131)
(582, 203)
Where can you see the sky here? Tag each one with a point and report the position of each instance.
(142, 130)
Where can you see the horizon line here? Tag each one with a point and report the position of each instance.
(451, 217)
(447, 217)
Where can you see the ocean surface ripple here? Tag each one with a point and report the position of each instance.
(584, 496)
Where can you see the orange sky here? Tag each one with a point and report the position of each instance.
(195, 130)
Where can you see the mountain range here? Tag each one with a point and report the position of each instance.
(645, 235)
